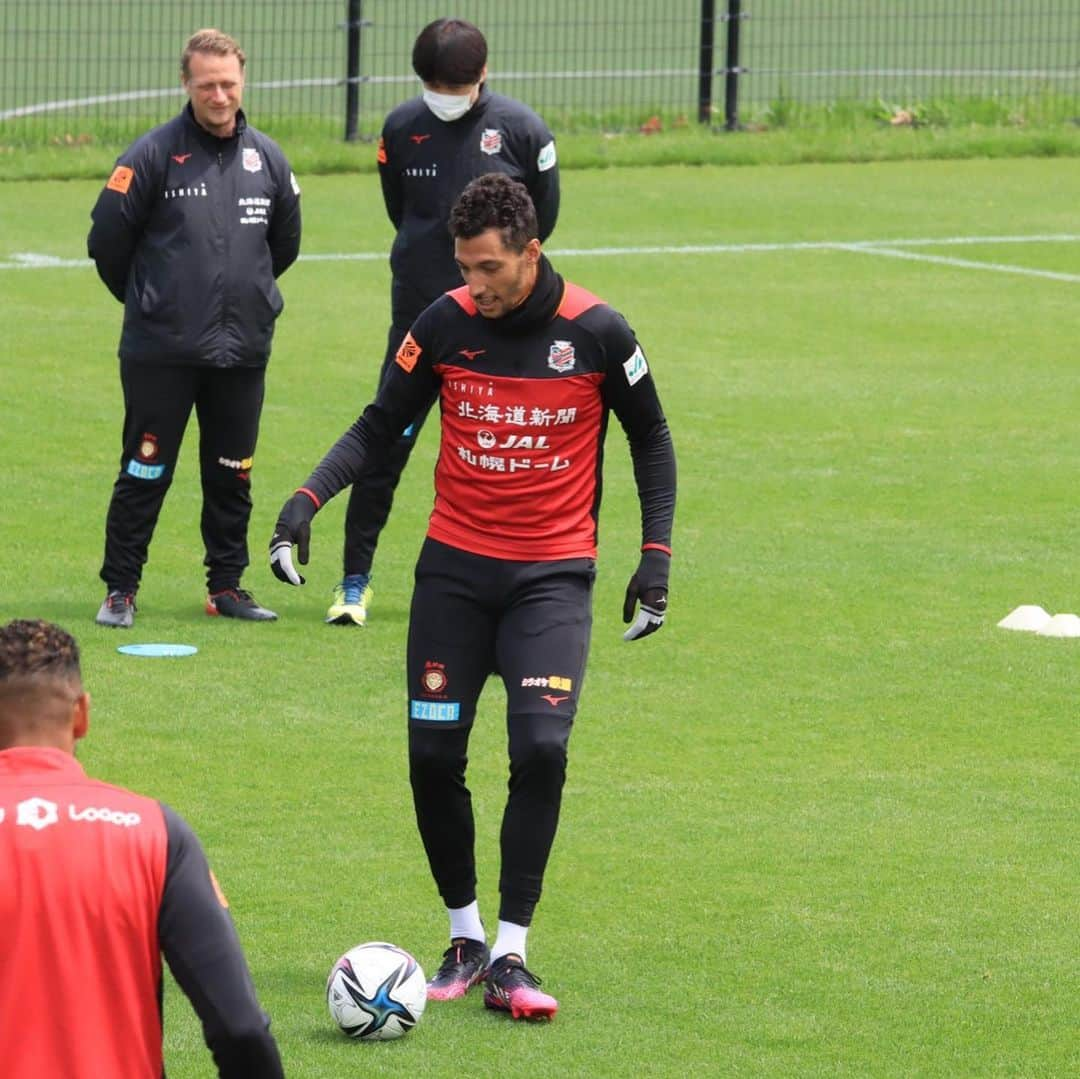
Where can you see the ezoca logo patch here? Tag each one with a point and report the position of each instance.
(435, 711)
(144, 472)
(636, 368)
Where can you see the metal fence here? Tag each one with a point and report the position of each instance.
(910, 51)
(101, 69)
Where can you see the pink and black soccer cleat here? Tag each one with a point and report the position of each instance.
(509, 987)
(463, 965)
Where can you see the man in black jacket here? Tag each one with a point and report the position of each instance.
(431, 147)
(197, 221)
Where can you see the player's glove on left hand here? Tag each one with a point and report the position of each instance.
(293, 527)
(648, 588)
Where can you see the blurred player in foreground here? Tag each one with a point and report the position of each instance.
(95, 884)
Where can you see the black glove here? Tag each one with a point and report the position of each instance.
(293, 526)
(649, 586)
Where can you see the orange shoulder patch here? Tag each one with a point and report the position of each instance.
(408, 354)
(121, 179)
(380, 153)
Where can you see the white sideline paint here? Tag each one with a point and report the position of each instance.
(962, 264)
(899, 248)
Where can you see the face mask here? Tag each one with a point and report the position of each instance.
(448, 107)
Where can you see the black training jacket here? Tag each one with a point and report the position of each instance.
(425, 163)
(190, 233)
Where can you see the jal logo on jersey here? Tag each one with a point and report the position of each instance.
(561, 356)
(487, 441)
(491, 140)
(250, 160)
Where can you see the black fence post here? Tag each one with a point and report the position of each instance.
(732, 71)
(352, 69)
(705, 60)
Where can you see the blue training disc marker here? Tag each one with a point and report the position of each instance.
(157, 649)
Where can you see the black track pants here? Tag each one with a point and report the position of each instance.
(158, 399)
(530, 622)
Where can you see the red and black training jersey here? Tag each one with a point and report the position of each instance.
(96, 884)
(525, 401)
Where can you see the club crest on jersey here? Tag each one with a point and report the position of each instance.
(491, 140)
(148, 447)
(434, 678)
(250, 160)
(561, 356)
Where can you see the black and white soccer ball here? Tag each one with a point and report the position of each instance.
(376, 992)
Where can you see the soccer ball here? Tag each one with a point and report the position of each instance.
(376, 992)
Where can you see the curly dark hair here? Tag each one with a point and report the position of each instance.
(32, 647)
(451, 52)
(494, 201)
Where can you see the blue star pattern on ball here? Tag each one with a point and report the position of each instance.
(381, 1006)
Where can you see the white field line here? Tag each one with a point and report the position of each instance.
(895, 248)
(149, 93)
(962, 264)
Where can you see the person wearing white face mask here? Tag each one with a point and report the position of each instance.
(430, 148)
(450, 107)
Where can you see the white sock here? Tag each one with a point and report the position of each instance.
(465, 922)
(509, 940)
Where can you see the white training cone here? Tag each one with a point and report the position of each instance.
(1030, 617)
(1061, 625)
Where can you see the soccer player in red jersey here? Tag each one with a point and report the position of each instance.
(528, 368)
(96, 883)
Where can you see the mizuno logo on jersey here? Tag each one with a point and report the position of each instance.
(419, 138)
(471, 353)
(180, 158)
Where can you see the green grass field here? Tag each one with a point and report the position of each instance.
(825, 823)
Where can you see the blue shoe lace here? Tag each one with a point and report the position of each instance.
(353, 587)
